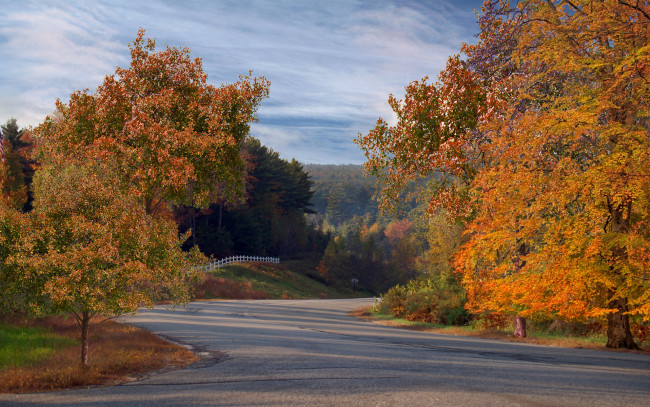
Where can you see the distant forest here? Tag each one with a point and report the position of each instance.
(289, 209)
(341, 192)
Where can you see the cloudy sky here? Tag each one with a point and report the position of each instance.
(331, 63)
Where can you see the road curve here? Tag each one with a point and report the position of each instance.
(310, 352)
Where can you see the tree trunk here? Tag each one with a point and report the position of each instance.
(220, 215)
(619, 334)
(520, 327)
(193, 225)
(85, 328)
(520, 322)
(618, 326)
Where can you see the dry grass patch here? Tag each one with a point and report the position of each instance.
(211, 287)
(260, 281)
(117, 353)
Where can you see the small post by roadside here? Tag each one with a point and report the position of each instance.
(354, 285)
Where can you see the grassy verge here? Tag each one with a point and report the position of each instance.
(558, 339)
(261, 280)
(117, 353)
(26, 346)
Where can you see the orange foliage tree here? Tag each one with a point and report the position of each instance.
(564, 204)
(168, 135)
(559, 193)
(434, 135)
(112, 163)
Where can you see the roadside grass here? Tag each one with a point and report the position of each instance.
(213, 287)
(261, 280)
(535, 336)
(118, 353)
(25, 346)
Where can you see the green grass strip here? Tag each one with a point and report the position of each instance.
(26, 346)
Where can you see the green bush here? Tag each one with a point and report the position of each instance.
(435, 298)
(393, 302)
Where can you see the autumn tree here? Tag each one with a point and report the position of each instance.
(168, 135)
(434, 143)
(112, 164)
(564, 200)
(553, 157)
(96, 250)
(433, 139)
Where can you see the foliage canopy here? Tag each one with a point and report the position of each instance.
(551, 170)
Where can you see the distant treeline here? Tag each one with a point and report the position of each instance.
(323, 216)
(341, 192)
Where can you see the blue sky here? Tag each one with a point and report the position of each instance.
(331, 63)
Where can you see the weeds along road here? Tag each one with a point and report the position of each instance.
(309, 352)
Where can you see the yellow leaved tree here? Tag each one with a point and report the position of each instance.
(562, 225)
(554, 160)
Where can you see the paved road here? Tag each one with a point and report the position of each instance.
(288, 353)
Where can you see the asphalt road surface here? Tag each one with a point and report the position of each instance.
(311, 353)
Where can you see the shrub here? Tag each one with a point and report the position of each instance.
(393, 302)
(494, 320)
(435, 298)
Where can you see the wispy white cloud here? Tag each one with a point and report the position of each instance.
(331, 64)
(62, 38)
(50, 50)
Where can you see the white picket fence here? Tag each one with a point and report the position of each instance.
(239, 259)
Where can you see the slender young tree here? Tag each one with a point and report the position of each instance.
(96, 250)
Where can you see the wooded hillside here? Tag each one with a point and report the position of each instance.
(341, 192)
